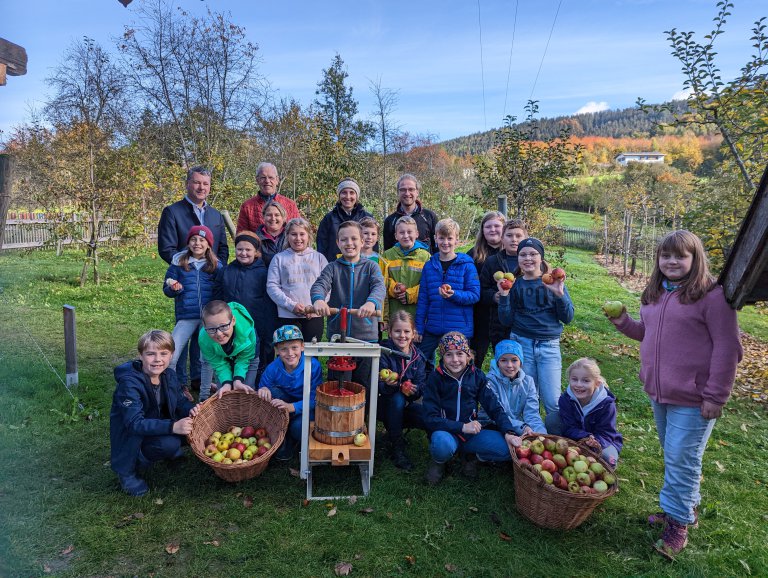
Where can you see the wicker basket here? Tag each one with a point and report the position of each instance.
(550, 507)
(237, 408)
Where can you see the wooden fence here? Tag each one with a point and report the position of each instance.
(37, 234)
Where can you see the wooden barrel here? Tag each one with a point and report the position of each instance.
(339, 418)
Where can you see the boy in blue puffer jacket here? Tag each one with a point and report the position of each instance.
(283, 383)
(448, 289)
(450, 412)
(514, 390)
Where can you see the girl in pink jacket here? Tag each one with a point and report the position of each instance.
(689, 349)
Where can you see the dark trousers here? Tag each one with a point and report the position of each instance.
(397, 412)
(191, 348)
(309, 327)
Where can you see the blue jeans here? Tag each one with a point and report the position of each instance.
(183, 331)
(543, 362)
(428, 346)
(683, 434)
(489, 445)
(397, 412)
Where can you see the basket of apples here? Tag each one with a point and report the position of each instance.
(237, 434)
(559, 482)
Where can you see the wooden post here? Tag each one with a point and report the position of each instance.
(6, 173)
(70, 345)
(228, 222)
(3, 69)
(501, 203)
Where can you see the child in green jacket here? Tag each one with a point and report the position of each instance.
(229, 343)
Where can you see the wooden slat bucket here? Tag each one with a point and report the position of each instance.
(339, 418)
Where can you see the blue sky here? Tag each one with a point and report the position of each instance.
(602, 54)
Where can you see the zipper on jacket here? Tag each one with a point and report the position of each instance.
(665, 298)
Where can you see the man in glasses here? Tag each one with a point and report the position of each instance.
(229, 343)
(267, 179)
(408, 189)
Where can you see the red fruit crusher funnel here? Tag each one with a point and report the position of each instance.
(344, 365)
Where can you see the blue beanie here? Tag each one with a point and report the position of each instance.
(532, 242)
(508, 347)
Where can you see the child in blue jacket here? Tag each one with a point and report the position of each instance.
(451, 400)
(588, 410)
(282, 383)
(150, 414)
(190, 281)
(448, 289)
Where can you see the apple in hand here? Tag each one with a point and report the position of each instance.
(547, 279)
(613, 309)
(445, 288)
(400, 288)
(506, 284)
(558, 274)
(498, 275)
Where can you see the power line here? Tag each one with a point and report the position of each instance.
(482, 73)
(509, 67)
(545, 49)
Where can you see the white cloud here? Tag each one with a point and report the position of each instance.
(593, 106)
(682, 94)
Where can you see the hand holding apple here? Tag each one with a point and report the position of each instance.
(408, 388)
(614, 309)
(446, 291)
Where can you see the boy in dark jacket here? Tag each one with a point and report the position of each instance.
(588, 410)
(245, 281)
(150, 415)
(448, 289)
(451, 398)
(354, 283)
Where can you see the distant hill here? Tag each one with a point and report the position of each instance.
(624, 123)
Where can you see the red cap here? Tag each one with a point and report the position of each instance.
(201, 231)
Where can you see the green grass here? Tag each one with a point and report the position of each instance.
(57, 490)
(575, 219)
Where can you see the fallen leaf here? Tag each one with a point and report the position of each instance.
(342, 569)
(724, 443)
(366, 511)
(159, 501)
(408, 502)
(214, 543)
(248, 501)
(495, 518)
(294, 472)
(172, 548)
(68, 550)
(505, 537)
(332, 512)
(743, 427)
(389, 515)
(720, 467)
(305, 502)
(450, 568)
(411, 560)
(448, 525)
(352, 500)
(642, 483)
(358, 556)
(128, 519)
(473, 509)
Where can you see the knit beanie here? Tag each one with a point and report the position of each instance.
(531, 242)
(454, 341)
(508, 347)
(201, 231)
(249, 237)
(348, 183)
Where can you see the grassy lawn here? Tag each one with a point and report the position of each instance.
(574, 219)
(61, 511)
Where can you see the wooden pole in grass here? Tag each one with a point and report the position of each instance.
(6, 174)
(229, 224)
(70, 345)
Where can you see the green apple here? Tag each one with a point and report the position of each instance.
(360, 439)
(600, 486)
(247, 454)
(498, 275)
(613, 309)
(580, 467)
(217, 457)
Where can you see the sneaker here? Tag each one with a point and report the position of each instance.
(186, 393)
(285, 453)
(434, 473)
(400, 458)
(133, 486)
(673, 540)
(469, 466)
(661, 519)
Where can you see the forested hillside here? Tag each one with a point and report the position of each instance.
(624, 123)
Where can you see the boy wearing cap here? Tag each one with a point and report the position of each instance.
(514, 390)
(451, 400)
(190, 282)
(348, 208)
(283, 383)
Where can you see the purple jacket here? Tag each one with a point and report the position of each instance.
(688, 353)
(599, 419)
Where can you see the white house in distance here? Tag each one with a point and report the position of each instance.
(651, 157)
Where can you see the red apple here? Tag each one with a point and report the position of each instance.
(506, 284)
(446, 288)
(524, 462)
(400, 288)
(536, 459)
(547, 279)
(558, 273)
(549, 466)
(262, 450)
(523, 452)
(559, 461)
(248, 431)
(260, 433)
(240, 447)
(262, 440)
(571, 457)
(547, 455)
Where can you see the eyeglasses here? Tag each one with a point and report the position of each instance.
(223, 328)
(265, 178)
(407, 190)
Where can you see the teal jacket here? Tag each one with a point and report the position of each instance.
(235, 365)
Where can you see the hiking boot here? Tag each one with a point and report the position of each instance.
(399, 457)
(285, 453)
(661, 519)
(133, 486)
(434, 473)
(469, 466)
(673, 540)
(194, 384)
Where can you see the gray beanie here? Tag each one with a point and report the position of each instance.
(348, 183)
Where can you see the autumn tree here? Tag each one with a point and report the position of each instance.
(533, 173)
(385, 135)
